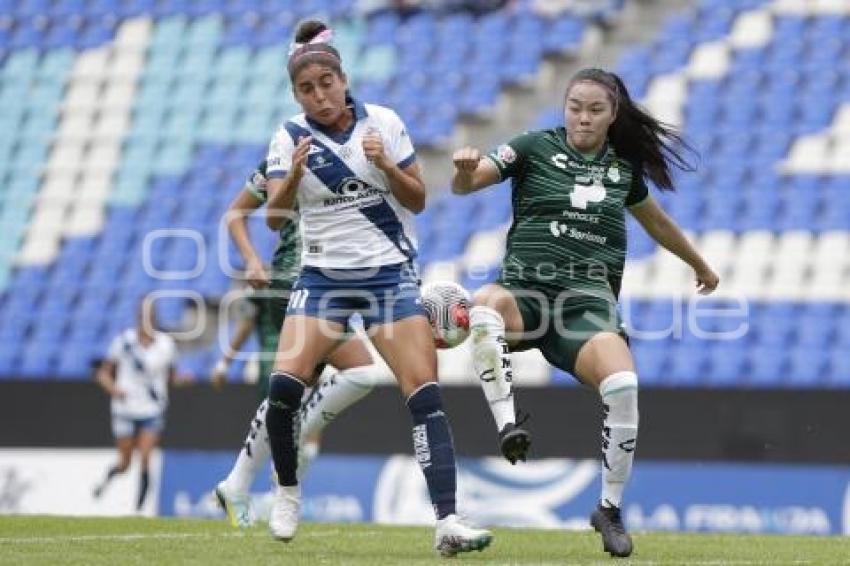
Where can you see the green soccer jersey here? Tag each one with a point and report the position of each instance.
(568, 231)
(286, 260)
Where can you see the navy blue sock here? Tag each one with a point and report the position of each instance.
(143, 489)
(285, 392)
(432, 443)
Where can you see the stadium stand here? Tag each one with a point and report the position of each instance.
(123, 117)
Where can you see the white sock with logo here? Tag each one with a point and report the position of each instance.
(492, 362)
(332, 395)
(619, 392)
(254, 454)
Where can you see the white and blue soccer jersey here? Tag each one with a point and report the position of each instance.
(349, 217)
(141, 373)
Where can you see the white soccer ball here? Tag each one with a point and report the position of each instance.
(447, 305)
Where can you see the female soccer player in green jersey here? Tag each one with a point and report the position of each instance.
(332, 394)
(564, 260)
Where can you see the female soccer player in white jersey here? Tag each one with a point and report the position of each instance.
(335, 392)
(135, 374)
(352, 169)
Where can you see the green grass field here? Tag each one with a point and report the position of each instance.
(70, 541)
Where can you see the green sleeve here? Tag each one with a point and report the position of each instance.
(639, 191)
(510, 158)
(256, 183)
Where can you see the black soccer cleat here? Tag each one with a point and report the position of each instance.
(608, 523)
(514, 442)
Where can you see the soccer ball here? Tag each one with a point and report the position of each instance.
(447, 305)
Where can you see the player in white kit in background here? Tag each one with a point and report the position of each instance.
(136, 373)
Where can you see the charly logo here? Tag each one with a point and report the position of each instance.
(614, 174)
(493, 492)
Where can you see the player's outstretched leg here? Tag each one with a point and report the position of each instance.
(434, 449)
(331, 396)
(492, 362)
(233, 493)
(619, 440)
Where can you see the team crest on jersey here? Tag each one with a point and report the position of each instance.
(614, 174)
(506, 153)
(258, 180)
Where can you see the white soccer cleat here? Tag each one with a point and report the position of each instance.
(236, 505)
(453, 537)
(286, 509)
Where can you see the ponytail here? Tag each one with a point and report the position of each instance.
(637, 136)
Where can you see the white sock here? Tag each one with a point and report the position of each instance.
(332, 395)
(492, 362)
(619, 392)
(253, 456)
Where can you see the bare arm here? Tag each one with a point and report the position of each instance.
(282, 192)
(406, 184)
(243, 331)
(666, 232)
(105, 377)
(242, 206)
(472, 171)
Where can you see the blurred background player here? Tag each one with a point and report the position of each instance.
(571, 188)
(335, 392)
(136, 373)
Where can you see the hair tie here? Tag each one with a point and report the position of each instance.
(326, 36)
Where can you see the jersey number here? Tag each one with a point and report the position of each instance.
(299, 298)
(583, 194)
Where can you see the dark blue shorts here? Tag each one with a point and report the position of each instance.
(379, 294)
(122, 427)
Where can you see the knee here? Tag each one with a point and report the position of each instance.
(364, 377)
(490, 296)
(486, 318)
(285, 389)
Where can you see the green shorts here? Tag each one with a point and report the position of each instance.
(271, 311)
(559, 330)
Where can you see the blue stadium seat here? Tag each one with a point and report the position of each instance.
(727, 363)
(688, 364)
(767, 366)
(651, 361)
(838, 369)
(806, 367)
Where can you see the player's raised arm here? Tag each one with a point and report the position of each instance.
(472, 171)
(405, 183)
(282, 191)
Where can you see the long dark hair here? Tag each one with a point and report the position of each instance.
(638, 137)
(309, 53)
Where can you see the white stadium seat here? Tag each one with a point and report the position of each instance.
(752, 29)
(709, 61)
